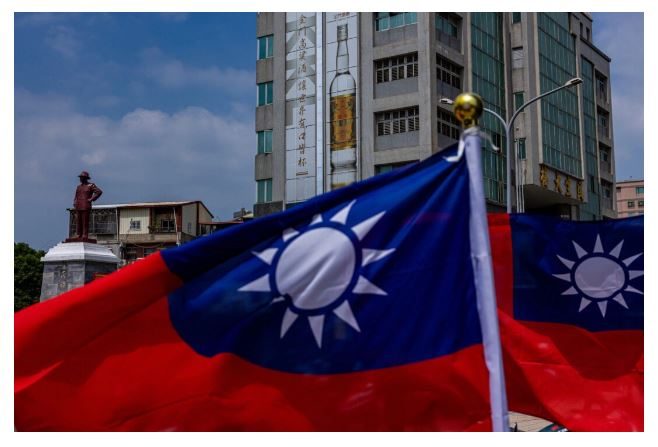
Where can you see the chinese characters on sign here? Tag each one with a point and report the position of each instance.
(300, 105)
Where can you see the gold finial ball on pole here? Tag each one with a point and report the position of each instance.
(467, 109)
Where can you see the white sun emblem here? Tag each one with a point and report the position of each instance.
(598, 276)
(316, 267)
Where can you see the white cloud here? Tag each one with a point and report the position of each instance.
(64, 40)
(145, 155)
(172, 73)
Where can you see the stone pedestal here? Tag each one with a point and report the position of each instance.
(73, 264)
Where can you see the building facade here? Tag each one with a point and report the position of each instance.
(630, 198)
(135, 230)
(345, 96)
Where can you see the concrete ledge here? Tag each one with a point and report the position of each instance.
(80, 251)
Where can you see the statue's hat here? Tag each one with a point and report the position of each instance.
(84, 174)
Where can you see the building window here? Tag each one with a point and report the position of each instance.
(604, 155)
(522, 154)
(388, 20)
(264, 141)
(395, 68)
(264, 191)
(630, 204)
(518, 100)
(448, 72)
(397, 121)
(130, 253)
(516, 17)
(381, 169)
(447, 124)
(517, 57)
(587, 35)
(640, 203)
(639, 190)
(603, 124)
(447, 24)
(167, 225)
(601, 87)
(135, 225)
(560, 118)
(592, 183)
(265, 93)
(103, 222)
(581, 30)
(265, 47)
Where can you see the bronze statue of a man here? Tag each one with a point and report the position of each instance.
(85, 194)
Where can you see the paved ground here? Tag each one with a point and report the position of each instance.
(526, 422)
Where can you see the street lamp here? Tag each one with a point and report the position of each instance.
(508, 133)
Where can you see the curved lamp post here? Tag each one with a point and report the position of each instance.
(508, 133)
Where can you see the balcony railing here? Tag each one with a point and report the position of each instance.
(605, 167)
(162, 229)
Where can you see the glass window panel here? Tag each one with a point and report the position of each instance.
(270, 46)
(397, 20)
(262, 48)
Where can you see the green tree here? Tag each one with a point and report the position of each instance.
(28, 272)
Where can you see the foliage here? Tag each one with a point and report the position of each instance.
(28, 272)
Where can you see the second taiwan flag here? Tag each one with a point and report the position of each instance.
(571, 305)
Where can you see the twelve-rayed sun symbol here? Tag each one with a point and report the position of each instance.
(317, 269)
(599, 276)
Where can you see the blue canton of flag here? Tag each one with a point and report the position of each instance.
(373, 275)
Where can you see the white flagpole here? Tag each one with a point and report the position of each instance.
(468, 108)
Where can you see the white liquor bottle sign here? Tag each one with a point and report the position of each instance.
(342, 142)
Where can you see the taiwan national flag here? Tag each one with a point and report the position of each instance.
(356, 310)
(571, 315)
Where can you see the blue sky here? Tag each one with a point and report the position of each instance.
(161, 107)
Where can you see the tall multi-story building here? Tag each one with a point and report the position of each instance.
(345, 96)
(630, 198)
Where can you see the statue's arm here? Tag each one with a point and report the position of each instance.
(97, 193)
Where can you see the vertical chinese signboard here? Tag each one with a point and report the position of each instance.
(300, 106)
(341, 105)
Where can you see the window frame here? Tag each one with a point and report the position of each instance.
(405, 18)
(448, 72)
(267, 93)
(396, 68)
(447, 124)
(264, 194)
(268, 47)
(518, 105)
(397, 121)
(262, 141)
(447, 24)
